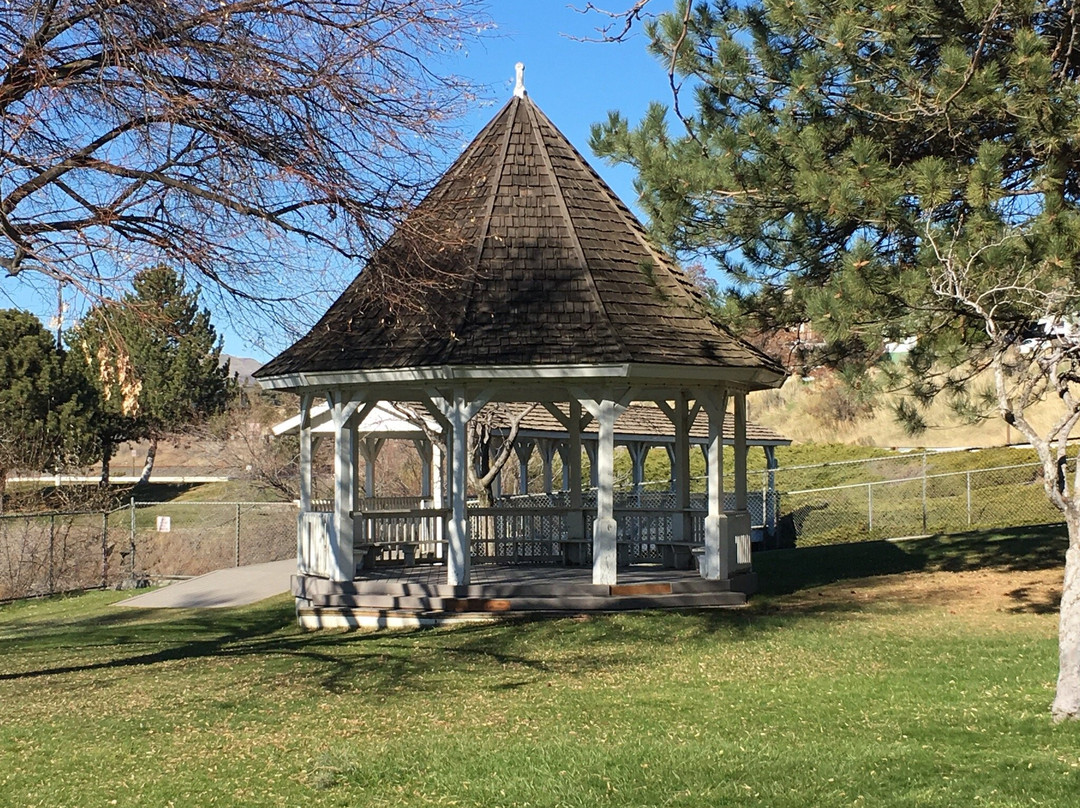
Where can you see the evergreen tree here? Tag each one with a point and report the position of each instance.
(155, 359)
(46, 412)
(889, 169)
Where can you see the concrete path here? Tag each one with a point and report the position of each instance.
(235, 586)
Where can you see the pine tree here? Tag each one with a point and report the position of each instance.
(889, 169)
(46, 412)
(155, 359)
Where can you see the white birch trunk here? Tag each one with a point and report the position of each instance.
(1067, 699)
(148, 464)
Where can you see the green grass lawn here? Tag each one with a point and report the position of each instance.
(806, 698)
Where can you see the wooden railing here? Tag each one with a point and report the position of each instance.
(518, 534)
(315, 534)
(408, 535)
(527, 530)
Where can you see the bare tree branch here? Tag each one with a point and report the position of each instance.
(257, 144)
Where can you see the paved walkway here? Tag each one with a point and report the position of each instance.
(240, 586)
(235, 586)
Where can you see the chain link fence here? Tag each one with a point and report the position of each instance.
(888, 497)
(894, 496)
(43, 554)
(922, 504)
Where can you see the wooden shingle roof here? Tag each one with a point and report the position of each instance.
(644, 422)
(520, 256)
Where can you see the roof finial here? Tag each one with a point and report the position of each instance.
(519, 85)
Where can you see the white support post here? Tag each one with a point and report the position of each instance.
(605, 529)
(306, 452)
(740, 451)
(639, 451)
(438, 495)
(523, 449)
(590, 452)
(343, 411)
(369, 450)
(719, 559)
(547, 448)
(424, 452)
(306, 554)
(457, 410)
(575, 519)
(679, 415)
(458, 555)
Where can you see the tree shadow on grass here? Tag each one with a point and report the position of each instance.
(1017, 549)
(333, 660)
(1030, 600)
(784, 572)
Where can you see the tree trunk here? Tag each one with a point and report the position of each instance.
(106, 459)
(1067, 700)
(148, 465)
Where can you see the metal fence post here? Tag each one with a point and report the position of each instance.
(870, 505)
(773, 505)
(52, 546)
(104, 549)
(924, 492)
(131, 548)
(968, 475)
(238, 534)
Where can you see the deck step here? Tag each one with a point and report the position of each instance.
(570, 603)
(388, 602)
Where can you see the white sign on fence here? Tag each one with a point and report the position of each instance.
(164, 524)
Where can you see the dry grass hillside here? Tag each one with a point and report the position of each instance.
(821, 411)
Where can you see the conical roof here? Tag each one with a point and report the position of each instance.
(520, 256)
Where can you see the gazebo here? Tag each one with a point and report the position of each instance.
(639, 430)
(522, 278)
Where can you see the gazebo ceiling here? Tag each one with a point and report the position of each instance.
(520, 263)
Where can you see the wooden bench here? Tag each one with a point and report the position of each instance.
(574, 551)
(369, 552)
(680, 555)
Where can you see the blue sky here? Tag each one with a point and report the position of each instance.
(575, 83)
